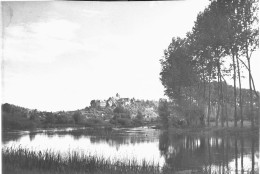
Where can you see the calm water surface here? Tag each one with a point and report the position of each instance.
(211, 153)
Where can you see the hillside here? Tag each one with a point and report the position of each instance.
(16, 117)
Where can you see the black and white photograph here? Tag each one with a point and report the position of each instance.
(130, 87)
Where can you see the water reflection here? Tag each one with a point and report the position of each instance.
(242, 155)
(32, 135)
(210, 154)
(213, 154)
(253, 154)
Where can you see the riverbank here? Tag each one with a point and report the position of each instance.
(16, 159)
(101, 129)
(30, 162)
(216, 130)
(24, 161)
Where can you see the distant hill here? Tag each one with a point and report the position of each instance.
(17, 117)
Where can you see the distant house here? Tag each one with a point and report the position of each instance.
(117, 96)
(138, 102)
(132, 100)
(124, 101)
(111, 102)
(103, 103)
(127, 101)
(95, 103)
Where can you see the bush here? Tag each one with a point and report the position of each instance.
(94, 122)
(139, 119)
(124, 121)
(164, 113)
(78, 117)
(64, 119)
(50, 118)
(16, 121)
(121, 112)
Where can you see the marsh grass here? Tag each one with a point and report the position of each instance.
(23, 161)
(49, 161)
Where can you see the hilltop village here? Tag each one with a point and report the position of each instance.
(105, 108)
(115, 111)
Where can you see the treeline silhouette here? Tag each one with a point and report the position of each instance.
(195, 68)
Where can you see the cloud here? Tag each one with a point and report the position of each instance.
(91, 13)
(40, 42)
(57, 29)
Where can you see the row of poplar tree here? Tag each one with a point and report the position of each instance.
(220, 44)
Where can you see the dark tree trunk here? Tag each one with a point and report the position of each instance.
(235, 91)
(222, 103)
(240, 92)
(209, 103)
(226, 101)
(253, 155)
(219, 98)
(251, 93)
(236, 156)
(242, 155)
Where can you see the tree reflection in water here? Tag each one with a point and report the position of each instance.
(242, 154)
(215, 154)
(236, 156)
(253, 154)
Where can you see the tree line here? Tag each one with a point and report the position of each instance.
(195, 68)
(15, 117)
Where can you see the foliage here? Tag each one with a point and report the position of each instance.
(121, 112)
(78, 117)
(96, 122)
(164, 113)
(194, 68)
(49, 118)
(62, 118)
(16, 121)
(139, 119)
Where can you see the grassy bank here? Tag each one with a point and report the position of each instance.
(217, 130)
(24, 161)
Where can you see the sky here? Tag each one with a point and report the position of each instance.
(60, 55)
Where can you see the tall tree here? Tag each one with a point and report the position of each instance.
(250, 40)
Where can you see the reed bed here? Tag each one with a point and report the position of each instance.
(49, 161)
(24, 161)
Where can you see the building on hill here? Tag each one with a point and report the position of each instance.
(95, 103)
(111, 102)
(98, 103)
(117, 96)
(103, 103)
(127, 101)
(132, 100)
(124, 101)
(138, 102)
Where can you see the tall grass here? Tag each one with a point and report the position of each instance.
(47, 161)
(23, 161)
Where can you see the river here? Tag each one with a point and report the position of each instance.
(216, 153)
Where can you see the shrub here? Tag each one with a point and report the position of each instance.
(16, 121)
(121, 112)
(96, 122)
(164, 113)
(64, 119)
(78, 117)
(139, 119)
(124, 121)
